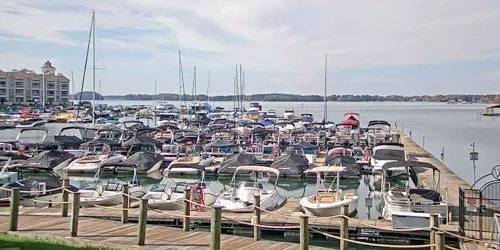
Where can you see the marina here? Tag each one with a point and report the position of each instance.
(234, 154)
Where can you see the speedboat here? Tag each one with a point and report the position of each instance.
(110, 192)
(239, 198)
(169, 193)
(328, 202)
(31, 123)
(388, 152)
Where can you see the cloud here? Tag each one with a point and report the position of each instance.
(280, 43)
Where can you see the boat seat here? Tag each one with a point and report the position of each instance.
(90, 159)
(323, 198)
(349, 196)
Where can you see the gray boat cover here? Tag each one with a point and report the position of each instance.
(143, 160)
(141, 140)
(48, 159)
(352, 167)
(291, 164)
(229, 165)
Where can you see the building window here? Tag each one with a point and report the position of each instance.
(3, 91)
(64, 92)
(50, 92)
(19, 84)
(36, 85)
(19, 92)
(19, 99)
(36, 93)
(3, 84)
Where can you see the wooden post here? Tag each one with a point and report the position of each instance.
(215, 228)
(256, 216)
(187, 211)
(65, 195)
(440, 241)
(14, 208)
(304, 232)
(75, 213)
(434, 223)
(143, 215)
(125, 203)
(344, 226)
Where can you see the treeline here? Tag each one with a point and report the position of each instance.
(275, 97)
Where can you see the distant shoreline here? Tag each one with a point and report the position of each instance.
(277, 97)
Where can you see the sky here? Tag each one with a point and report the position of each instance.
(384, 47)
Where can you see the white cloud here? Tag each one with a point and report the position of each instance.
(281, 41)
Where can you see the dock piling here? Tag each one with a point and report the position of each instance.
(75, 213)
(14, 208)
(143, 215)
(256, 216)
(344, 226)
(125, 203)
(440, 241)
(215, 228)
(187, 210)
(304, 232)
(65, 197)
(434, 223)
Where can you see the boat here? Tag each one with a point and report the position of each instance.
(411, 205)
(169, 193)
(110, 192)
(388, 152)
(31, 123)
(328, 202)
(93, 159)
(239, 197)
(289, 114)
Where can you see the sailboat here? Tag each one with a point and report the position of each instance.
(328, 202)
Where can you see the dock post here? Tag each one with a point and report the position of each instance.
(304, 232)
(75, 213)
(440, 241)
(434, 223)
(215, 228)
(143, 216)
(65, 197)
(256, 217)
(14, 208)
(344, 226)
(125, 203)
(187, 211)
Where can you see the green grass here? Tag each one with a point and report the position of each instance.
(27, 243)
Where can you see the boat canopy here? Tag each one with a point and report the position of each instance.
(352, 167)
(291, 164)
(220, 144)
(229, 165)
(378, 122)
(412, 164)
(143, 160)
(142, 141)
(48, 159)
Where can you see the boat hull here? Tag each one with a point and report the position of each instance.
(328, 209)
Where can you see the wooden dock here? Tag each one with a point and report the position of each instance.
(114, 234)
(450, 182)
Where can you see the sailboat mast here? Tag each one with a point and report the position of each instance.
(208, 87)
(241, 90)
(194, 97)
(325, 116)
(93, 68)
(72, 85)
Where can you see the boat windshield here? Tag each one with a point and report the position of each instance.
(389, 154)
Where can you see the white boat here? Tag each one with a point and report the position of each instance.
(169, 193)
(328, 202)
(405, 204)
(289, 114)
(110, 193)
(91, 162)
(388, 152)
(31, 123)
(239, 198)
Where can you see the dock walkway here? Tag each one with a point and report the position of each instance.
(114, 234)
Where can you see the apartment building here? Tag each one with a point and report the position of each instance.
(28, 87)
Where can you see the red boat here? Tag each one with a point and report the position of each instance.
(351, 118)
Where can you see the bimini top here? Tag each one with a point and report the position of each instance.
(256, 168)
(413, 164)
(326, 169)
(378, 122)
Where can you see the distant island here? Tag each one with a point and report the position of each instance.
(276, 97)
(86, 96)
